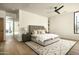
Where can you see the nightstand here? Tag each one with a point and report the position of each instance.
(26, 37)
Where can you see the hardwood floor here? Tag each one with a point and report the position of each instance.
(12, 47)
(74, 50)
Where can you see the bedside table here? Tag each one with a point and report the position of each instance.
(26, 37)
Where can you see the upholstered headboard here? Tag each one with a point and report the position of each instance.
(35, 27)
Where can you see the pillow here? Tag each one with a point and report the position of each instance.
(40, 31)
(34, 32)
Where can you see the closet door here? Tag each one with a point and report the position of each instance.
(1, 29)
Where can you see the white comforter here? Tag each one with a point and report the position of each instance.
(44, 37)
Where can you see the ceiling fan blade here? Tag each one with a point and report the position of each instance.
(60, 7)
(57, 12)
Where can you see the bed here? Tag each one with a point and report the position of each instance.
(44, 43)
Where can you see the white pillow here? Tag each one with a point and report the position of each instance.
(40, 31)
(34, 32)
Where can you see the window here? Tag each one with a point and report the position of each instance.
(76, 22)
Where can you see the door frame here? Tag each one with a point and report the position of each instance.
(3, 29)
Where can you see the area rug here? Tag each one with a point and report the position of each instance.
(59, 48)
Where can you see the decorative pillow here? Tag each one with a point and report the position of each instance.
(34, 32)
(42, 31)
(38, 32)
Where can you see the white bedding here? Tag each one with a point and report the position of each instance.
(44, 37)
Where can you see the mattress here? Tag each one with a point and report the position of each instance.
(58, 48)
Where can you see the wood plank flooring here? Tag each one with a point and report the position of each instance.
(12, 47)
(74, 50)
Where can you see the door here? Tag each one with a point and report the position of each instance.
(1, 29)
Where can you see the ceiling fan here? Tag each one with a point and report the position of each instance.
(57, 9)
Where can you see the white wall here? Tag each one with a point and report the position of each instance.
(3, 15)
(27, 18)
(63, 25)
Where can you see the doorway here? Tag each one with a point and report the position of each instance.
(9, 26)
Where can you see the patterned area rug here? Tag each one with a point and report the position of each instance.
(59, 48)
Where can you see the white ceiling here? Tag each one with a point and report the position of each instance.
(40, 8)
